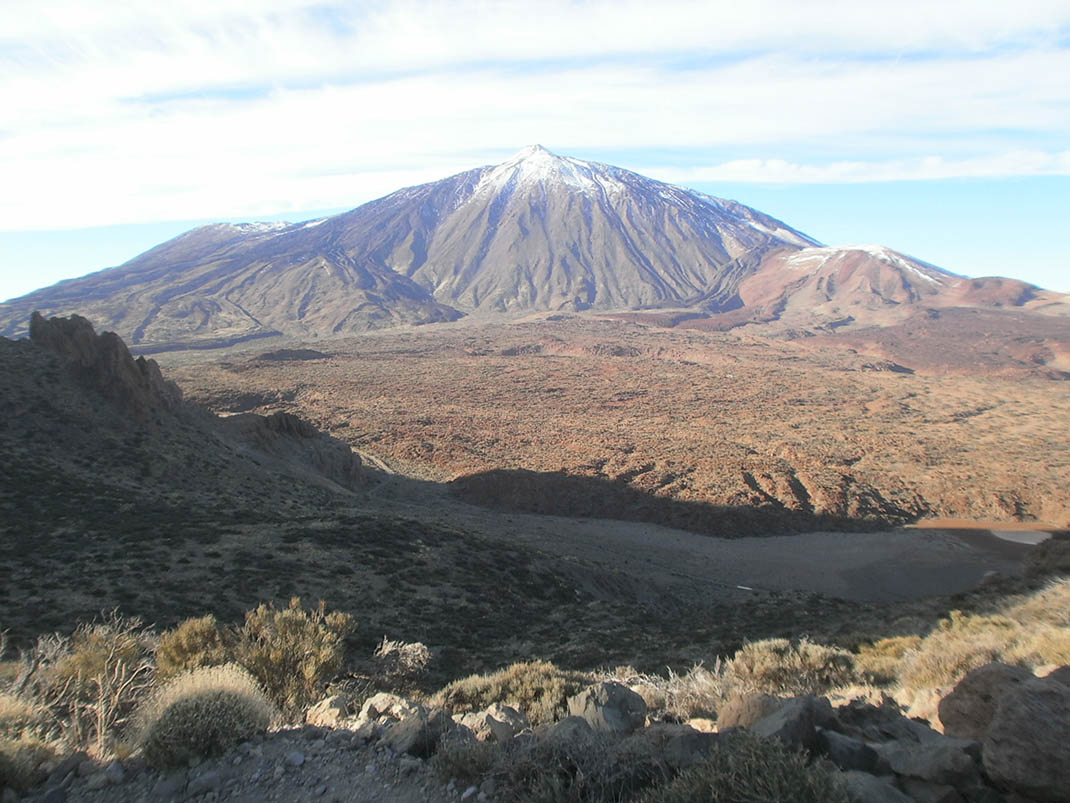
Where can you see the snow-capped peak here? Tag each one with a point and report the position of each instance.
(536, 165)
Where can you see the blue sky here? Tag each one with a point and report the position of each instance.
(938, 129)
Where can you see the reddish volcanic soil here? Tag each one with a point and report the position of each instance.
(722, 433)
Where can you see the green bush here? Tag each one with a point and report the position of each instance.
(776, 666)
(201, 713)
(293, 653)
(191, 645)
(742, 768)
(538, 688)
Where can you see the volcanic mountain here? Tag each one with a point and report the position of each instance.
(538, 232)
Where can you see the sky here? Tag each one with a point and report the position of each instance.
(939, 129)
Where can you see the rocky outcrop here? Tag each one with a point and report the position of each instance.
(967, 712)
(103, 363)
(1025, 746)
(295, 441)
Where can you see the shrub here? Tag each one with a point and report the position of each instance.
(699, 692)
(20, 716)
(776, 666)
(293, 652)
(193, 644)
(745, 769)
(467, 761)
(538, 688)
(201, 713)
(20, 760)
(99, 649)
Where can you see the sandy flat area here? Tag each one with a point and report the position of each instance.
(884, 566)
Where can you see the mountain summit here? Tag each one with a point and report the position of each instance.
(537, 232)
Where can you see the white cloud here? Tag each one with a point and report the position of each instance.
(123, 112)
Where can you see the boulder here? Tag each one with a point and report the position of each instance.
(419, 733)
(1025, 748)
(499, 723)
(329, 712)
(845, 752)
(927, 792)
(865, 788)
(1060, 674)
(609, 707)
(569, 729)
(795, 723)
(746, 710)
(967, 710)
(955, 762)
(679, 746)
(385, 704)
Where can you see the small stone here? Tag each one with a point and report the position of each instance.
(170, 785)
(86, 768)
(205, 782)
(295, 758)
(115, 773)
(10, 796)
(236, 761)
(321, 790)
(57, 794)
(471, 791)
(95, 782)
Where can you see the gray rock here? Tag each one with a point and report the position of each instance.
(205, 782)
(57, 794)
(66, 767)
(569, 729)
(609, 707)
(967, 710)
(328, 712)
(794, 723)
(419, 733)
(679, 746)
(295, 758)
(9, 795)
(845, 752)
(746, 710)
(170, 785)
(865, 788)
(1025, 748)
(1062, 675)
(471, 791)
(499, 723)
(385, 705)
(95, 782)
(948, 761)
(115, 773)
(926, 792)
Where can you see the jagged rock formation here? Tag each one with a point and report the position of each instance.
(81, 415)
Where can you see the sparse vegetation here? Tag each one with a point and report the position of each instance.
(537, 688)
(293, 652)
(745, 769)
(194, 643)
(780, 666)
(201, 713)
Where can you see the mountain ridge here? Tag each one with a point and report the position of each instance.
(536, 233)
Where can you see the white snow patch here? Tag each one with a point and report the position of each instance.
(804, 259)
(536, 165)
(313, 223)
